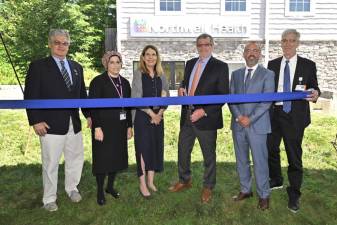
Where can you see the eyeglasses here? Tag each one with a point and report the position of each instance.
(58, 43)
(204, 45)
(288, 41)
(252, 51)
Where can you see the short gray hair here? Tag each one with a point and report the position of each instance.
(291, 31)
(205, 36)
(58, 32)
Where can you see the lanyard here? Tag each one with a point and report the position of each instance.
(119, 91)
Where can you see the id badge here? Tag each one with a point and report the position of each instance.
(300, 87)
(122, 115)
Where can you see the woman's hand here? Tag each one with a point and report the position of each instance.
(99, 134)
(156, 118)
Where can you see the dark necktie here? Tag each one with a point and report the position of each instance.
(247, 80)
(286, 87)
(65, 75)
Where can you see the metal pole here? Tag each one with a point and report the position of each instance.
(10, 60)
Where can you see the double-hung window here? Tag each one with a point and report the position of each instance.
(169, 7)
(299, 8)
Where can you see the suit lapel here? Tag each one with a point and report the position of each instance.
(241, 78)
(298, 72)
(277, 72)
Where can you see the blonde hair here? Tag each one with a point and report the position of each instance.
(158, 68)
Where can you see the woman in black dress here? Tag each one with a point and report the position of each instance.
(149, 81)
(111, 127)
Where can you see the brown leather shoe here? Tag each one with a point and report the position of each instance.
(206, 195)
(263, 203)
(241, 196)
(180, 186)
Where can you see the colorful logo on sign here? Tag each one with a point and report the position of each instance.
(140, 26)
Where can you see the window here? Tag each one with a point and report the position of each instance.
(235, 5)
(173, 70)
(299, 8)
(235, 8)
(299, 5)
(170, 5)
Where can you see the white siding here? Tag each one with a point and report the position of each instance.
(321, 26)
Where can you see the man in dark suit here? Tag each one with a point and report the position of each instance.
(57, 77)
(250, 125)
(204, 75)
(290, 118)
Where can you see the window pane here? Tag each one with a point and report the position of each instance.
(292, 7)
(169, 6)
(177, 6)
(299, 6)
(306, 7)
(162, 6)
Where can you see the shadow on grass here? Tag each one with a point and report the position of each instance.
(21, 194)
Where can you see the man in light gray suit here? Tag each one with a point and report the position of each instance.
(250, 125)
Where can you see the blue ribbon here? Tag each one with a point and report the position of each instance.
(139, 102)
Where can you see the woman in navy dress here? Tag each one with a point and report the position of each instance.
(149, 81)
(111, 127)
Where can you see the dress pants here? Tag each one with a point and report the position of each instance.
(207, 140)
(244, 140)
(283, 127)
(52, 146)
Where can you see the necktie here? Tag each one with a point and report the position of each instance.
(195, 79)
(286, 87)
(247, 80)
(65, 75)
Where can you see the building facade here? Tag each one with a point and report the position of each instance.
(173, 25)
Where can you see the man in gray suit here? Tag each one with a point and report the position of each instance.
(250, 125)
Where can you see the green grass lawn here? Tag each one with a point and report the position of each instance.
(21, 183)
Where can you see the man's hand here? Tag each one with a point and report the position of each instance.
(130, 133)
(99, 136)
(244, 121)
(313, 96)
(197, 115)
(89, 122)
(41, 128)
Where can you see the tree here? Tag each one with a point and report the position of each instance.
(100, 17)
(25, 25)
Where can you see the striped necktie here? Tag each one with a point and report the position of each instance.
(65, 75)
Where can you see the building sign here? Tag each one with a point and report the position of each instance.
(180, 26)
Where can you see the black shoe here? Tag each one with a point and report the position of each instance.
(274, 184)
(101, 201)
(113, 192)
(100, 198)
(294, 205)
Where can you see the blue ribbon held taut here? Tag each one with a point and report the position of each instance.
(156, 101)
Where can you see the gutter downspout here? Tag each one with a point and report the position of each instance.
(266, 33)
